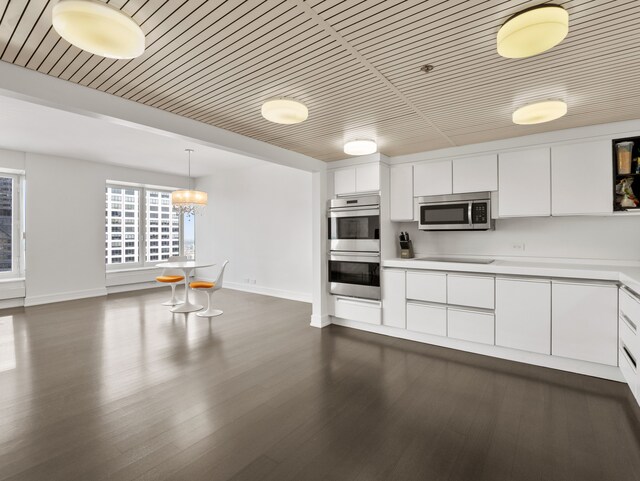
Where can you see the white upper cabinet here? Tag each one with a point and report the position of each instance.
(344, 181)
(401, 189)
(358, 179)
(525, 183)
(582, 178)
(475, 174)
(368, 178)
(433, 178)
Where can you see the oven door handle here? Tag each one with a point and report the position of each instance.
(355, 257)
(354, 212)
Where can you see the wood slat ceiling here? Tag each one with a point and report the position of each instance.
(354, 63)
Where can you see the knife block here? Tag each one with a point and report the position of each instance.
(406, 250)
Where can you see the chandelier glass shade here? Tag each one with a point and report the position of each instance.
(188, 201)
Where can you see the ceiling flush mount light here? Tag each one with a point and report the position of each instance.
(188, 201)
(360, 147)
(540, 112)
(533, 31)
(98, 28)
(285, 111)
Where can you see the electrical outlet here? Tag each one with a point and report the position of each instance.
(252, 281)
(246, 280)
(517, 246)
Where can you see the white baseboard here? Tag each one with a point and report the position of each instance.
(268, 291)
(571, 365)
(320, 321)
(135, 287)
(9, 303)
(63, 296)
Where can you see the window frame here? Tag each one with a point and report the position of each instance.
(17, 226)
(142, 228)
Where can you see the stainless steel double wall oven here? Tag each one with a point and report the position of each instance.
(354, 243)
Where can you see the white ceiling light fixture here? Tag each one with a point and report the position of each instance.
(285, 111)
(539, 112)
(189, 201)
(98, 28)
(533, 31)
(360, 147)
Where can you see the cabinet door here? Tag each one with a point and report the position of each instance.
(471, 291)
(368, 178)
(344, 181)
(582, 178)
(427, 319)
(525, 183)
(475, 174)
(432, 178)
(393, 298)
(401, 190)
(471, 325)
(523, 314)
(427, 286)
(585, 322)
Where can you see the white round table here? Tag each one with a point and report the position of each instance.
(187, 267)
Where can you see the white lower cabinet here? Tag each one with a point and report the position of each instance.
(584, 319)
(393, 298)
(427, 286)
(523, 314)
(471, 291)
(427, 319)
(470, 325)
(361, 310)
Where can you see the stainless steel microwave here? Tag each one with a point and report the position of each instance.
(456, 212)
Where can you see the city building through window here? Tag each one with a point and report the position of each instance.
(152, 232)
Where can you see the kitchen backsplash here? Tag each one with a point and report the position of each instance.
(602, 238)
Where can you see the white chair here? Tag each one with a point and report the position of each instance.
(210, 288)
(172, 277)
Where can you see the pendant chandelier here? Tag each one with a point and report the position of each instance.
(188, 201)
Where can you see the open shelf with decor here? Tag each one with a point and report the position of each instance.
(626, 179)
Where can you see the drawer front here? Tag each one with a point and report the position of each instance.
(472, 291)
(358, 310)
(427, 286)
(471, 326)
(629, 308)
(427, 319)
(629, 371)
(629, 337)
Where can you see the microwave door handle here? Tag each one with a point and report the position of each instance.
(470, 213)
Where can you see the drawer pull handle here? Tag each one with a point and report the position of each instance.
(631, 293)
(629, 322)
(359, 303)
(629, 356)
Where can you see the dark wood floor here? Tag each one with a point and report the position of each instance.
(119, 388)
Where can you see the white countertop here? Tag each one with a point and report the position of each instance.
(630, 276)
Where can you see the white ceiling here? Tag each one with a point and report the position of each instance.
(30, 127)
(354, 63)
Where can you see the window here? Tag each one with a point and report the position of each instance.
(10, 226)
(146, 212)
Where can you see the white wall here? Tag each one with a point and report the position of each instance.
(65, 222)
(260, 220)
(594, 238)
